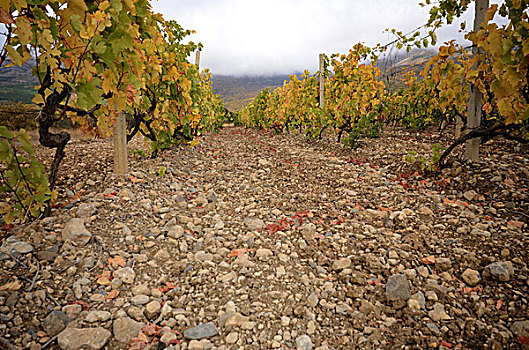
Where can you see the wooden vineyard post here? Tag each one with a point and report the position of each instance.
(120, 146)
(197, 59)
(322, 81)
(475, 97)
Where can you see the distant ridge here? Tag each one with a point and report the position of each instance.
(236, 92)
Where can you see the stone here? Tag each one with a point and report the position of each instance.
(125, 329)
(176, 232)
(140, 289)
(303, 342)
(14, 247)
(140, 299)
(48, 254)
(263, 253)
(83, 338)
(419, 299)
(55, 322)
(97, 316)
(86, 210)
(398, 288)
(443, 264)
(499, 271)
(471, 277)
(126, 274)
(195, 345)
(341, 264)
(521, 330)
(168, 337)
(254, 224)
(76, 232)
(236, 320)
(211, 197)
(470, 195)
(152, 309)
(162, 255)
(204, 330)
(312, 300)
(438, 313)
(232, 338)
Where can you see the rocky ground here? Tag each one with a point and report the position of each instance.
(260, 241)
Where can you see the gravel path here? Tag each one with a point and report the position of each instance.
(260, 241)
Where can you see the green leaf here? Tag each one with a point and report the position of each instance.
(5, 133)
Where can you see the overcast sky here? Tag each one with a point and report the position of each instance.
(255, 37)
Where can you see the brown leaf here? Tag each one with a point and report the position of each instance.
(428, 260)
(118, 260)
(5, 17)
(112, 294)
(238, 252)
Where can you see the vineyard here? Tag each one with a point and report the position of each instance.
(339, 211)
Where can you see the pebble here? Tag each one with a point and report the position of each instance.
(83, 338)
(341, 264)
(205, 330)
(152, 309)
(75, 231)
(97, 316)
(125, 329)
(303, 342)
(438, 313)
(471, 277)
(55, 322)
(499, 271)
(398, 288)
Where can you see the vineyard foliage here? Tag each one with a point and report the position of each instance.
(96, 59)
(358, 104)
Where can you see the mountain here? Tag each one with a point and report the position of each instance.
(17, 83)
(236, 92)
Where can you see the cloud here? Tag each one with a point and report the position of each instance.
(254, 37)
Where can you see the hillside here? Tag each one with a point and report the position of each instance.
(236, 92)
(16, 83)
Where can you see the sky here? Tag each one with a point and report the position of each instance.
(263, 37)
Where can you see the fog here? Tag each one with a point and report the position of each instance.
(252, 37)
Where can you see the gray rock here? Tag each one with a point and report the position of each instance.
(254, 224)
(76, 232)
(398, 288)
(205, 330)
(499, 271)
(312, 300)
(48, 254)
(303, 343)
(126, 274)
(83, 338)
(14, 246)
(86, 210)
(125, 329)
(55, 323)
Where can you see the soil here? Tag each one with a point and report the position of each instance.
(280, 242)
